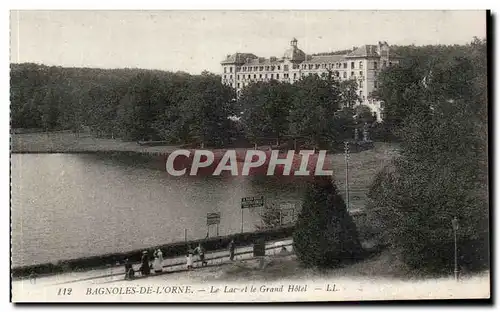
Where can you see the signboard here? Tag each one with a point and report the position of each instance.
(259, 248)
(252, 202)
(213, 218)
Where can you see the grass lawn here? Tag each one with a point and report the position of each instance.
(66, 142)
(362, 168)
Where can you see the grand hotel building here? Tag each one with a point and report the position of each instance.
(363, 64)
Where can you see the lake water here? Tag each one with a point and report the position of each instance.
(66, 206)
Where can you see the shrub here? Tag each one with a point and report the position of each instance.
(325, 234)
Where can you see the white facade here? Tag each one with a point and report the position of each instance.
(363, 64)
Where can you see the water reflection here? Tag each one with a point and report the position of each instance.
(74, 205)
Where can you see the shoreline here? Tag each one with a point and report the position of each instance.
(367, 234)
(174, 249)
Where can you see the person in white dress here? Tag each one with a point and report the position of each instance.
(158, 262)
(189, 259)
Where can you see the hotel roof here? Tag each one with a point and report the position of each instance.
(238, 58)
(324, 59)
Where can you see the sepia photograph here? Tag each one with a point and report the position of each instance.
(249, 155)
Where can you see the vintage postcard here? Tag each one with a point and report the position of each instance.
(249, 156)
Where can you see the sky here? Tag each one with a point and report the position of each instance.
(193, 41)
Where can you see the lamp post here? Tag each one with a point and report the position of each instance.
(346, 149)
(454, 223)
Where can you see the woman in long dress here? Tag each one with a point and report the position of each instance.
(158, 262)
(145, 269)
(189, 259)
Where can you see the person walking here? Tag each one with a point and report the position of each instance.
(33, 277)
(129, 270)
(145, 268)
(157, 262)
(160, 256)
(231, 249)
(189, 258)
(201, 252)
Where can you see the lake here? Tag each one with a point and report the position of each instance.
(67, 206)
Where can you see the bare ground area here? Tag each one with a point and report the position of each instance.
(281, 279)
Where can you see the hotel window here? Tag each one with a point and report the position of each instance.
(345, 65)
(352, 65)
(272, 67)
(361, 73)
(345, 74)
(277, 76)
(255, 68)
(375, 84)
(304, 66)
(352, 74)
(272, 76)
(248, 76)
(230, 69)
(375, 65)
(310, 66)
(238, 84)
(260, 76)
(323, 65)
(238, 77)
(224, 76)
(267, 67)
(294, 75)
(285, 67)
(360, 64)
(261, 68)
(338, 65)
(230, 77)
(279, 67)
(254, 76)
(317, 66)
(225, 70)
(266, 76)
(337, 73)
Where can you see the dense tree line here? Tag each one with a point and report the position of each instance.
(438, 107)
(179, 108)
(133, 104)
(127, 103)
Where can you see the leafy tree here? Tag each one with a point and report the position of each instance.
(325, 234)
(265, 109)
(441, 172)
(204, 113)
(364, 115)
(349, 93)
(312, 113)
(270, 217)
